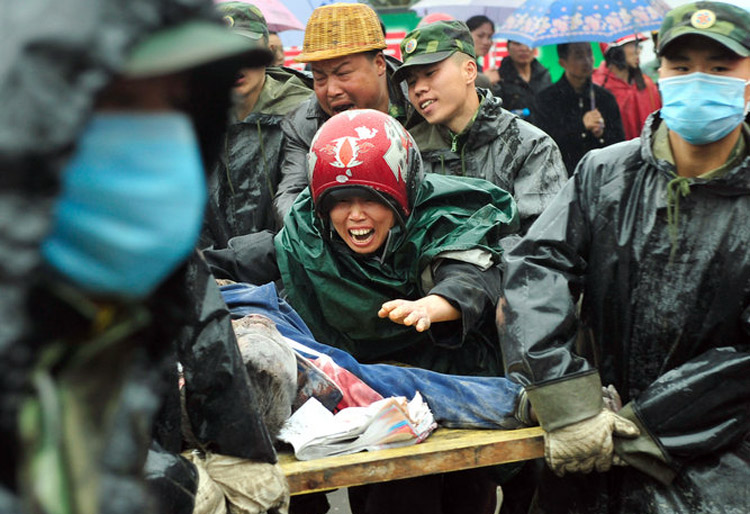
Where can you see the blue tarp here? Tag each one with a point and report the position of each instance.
(456, 401)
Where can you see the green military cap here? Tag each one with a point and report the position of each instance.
(433, 43)
(190, 45)
(726, 24)
(245, 19)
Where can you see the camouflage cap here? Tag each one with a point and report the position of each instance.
(244, 19)
(726, 24)
(433, 43)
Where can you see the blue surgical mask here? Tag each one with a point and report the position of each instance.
(131, 205)
(702, 108)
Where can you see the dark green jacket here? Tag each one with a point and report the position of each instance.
(339, 293)
(501, 148)
(245, 177)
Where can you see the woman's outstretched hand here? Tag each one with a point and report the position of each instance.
(421, 313)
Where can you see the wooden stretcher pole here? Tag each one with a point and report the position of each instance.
(445, 450)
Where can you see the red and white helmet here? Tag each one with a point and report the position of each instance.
(365, 149)
(622, 41)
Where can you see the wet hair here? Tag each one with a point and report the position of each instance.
(477, 21)
(372, 54)
(690, 41)
(562, 50)
(615, 56)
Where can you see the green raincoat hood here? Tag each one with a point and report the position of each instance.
(339, 293)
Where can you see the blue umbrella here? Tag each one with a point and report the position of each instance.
(549, 22)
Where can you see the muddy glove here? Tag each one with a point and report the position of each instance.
(587, 444)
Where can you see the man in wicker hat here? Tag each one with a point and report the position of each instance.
(246, 174)
(466, 132)
(344, 46)
(652, 233)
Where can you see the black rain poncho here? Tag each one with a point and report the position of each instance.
(673, 337)
(53, 61)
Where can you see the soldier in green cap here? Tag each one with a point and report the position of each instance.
(247, 172)
(651, 236)
(466, 132)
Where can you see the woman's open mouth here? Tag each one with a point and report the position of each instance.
(361, 236)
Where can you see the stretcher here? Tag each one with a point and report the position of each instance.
(445, 450)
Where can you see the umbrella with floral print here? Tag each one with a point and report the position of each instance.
(549, 22)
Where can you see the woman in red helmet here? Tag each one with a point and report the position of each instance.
(389, 264)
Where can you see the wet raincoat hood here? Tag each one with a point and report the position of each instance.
(670, 330)
(339, 293)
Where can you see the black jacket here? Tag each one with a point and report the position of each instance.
(560, 114)
(673, 337)
(517, 94)
(300, 126)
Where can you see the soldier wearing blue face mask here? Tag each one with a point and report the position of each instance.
(652, 235)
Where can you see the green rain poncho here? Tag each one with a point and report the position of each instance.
(338, 293)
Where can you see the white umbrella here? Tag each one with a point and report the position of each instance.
(496, 10)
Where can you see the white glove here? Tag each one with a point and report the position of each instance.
(587, 444)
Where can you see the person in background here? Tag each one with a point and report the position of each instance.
(651, 68)
(433, 17)
(246, 174)
(638, 275)
(277, 47)
(482, 28)
(344, 45)
(620, 73)
(102, 243)
(578, 114)
(466, 132)
(522, 77)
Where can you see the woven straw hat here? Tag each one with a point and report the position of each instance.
(341, 29)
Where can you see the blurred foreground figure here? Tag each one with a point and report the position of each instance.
(113, 121)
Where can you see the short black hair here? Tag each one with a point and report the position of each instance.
(477, 21)
(562, 50)
(372, 54)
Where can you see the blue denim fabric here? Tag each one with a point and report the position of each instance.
(456, 401)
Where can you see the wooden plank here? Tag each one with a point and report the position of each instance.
(445, 450)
